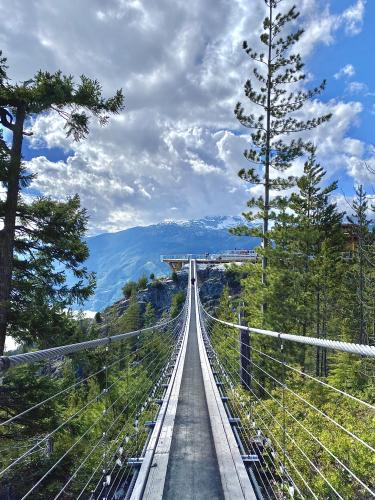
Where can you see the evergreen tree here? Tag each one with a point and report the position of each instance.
(142, 283)
(304, 264)
(271, 92)
(129, 289)
(19, 103)
(49, 241)
(98, 318)
(131, 320)
(364, 267)
(177, 303)
(314, 254)
(149, 317)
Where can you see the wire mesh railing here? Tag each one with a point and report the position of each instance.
(75, 419)
(301, 435)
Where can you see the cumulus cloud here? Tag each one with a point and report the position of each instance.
(321, 25)
(347, 70)
(362, 169)
(177, 148)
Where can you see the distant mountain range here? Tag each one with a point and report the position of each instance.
(129, 254)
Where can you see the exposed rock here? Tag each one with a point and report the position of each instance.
(211, 280)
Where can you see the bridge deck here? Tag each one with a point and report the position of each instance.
(193, 470)
(192, 453)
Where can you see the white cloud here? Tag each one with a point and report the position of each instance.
(353, 17)
(347, 70)
(362, 170)
(357, 87)
(321, 26)
(177, 148)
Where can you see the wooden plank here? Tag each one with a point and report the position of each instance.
(235, 480)
(151, 477)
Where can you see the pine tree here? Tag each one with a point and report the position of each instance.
(364, 267)
(271, 92)
(303, 262)
(19, 103)
(318, 249)
(49, 243)
(131, 320)
(178, 300)
(149, 317)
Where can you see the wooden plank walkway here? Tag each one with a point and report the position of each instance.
(192, 453)
(193, 471)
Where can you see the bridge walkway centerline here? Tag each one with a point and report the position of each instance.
(193, 470)
(194, 455)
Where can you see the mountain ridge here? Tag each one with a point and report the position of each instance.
(128, 254)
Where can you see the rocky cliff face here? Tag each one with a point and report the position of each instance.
(211, 280)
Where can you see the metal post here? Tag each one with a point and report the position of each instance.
(283, 465)
(107, 475)
(245, 352)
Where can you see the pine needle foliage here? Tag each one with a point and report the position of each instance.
(276, 97)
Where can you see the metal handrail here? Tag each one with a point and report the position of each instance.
(7, 362)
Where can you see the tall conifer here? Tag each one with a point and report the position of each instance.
(75, 103)
(276, 96)
(364, 266)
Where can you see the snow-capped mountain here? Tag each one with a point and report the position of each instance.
(129, 254)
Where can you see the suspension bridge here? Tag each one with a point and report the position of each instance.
(191, 407)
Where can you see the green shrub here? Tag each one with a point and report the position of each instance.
(178, 300)
(129, 289)
(142, 283)
(98, 317)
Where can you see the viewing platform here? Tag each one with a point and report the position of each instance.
(176, 262)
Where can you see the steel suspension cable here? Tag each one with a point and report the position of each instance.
(313, 437)
(7, 362)
(115, 442)
(255, 464)
(72, 386)
(351, 434)
(287, 455)
(77, 442)
(78, 412)
(281, 426)
(361, 349)
(287, 433)
(93, 449)
(113, 456)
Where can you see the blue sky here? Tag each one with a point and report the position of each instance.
(359, 52)
(175, 151)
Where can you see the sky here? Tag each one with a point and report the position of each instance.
(175, 150)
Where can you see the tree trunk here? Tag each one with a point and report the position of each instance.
(7, 234)
(318, 349)
(268, 151)
(267, 161)
(362, 327)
